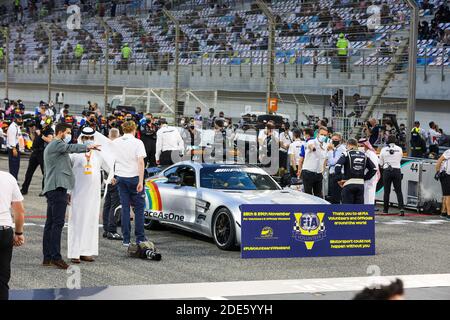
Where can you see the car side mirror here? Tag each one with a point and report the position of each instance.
(174, 180)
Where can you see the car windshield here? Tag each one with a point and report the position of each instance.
(224, 178)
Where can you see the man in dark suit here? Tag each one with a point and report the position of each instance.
(58, 179)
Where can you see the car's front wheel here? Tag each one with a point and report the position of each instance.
(151, 224)
(224, 230)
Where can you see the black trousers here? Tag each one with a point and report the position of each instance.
(56, 215)
(14, 163)
(434, 148)
(392, 177)
(343, 63)
(334, 189)
(353, 194)
(36, 160)
(112, 201)
(312, 182)
(6, 248)
(166, 158)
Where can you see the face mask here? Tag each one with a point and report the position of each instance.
(197, 111)
(42, 122)
(67, 138)
(88, 142)
(336, 143)
(182, 122)
(226, 124)
(322, 138)
(149, 120)
(192, 127)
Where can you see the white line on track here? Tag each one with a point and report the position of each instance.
(215, 290)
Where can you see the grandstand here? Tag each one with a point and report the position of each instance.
(224, 52)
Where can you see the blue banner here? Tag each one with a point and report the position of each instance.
(289, 231)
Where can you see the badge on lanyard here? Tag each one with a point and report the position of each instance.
(88, 166)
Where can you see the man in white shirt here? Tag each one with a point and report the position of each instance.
(168, 140)
(390, 161)
(267, 138)
(312, 161)
(10, 197)
(294, 151)
(433, 138)
(129, 169)
(286, 138)
(443, 174)
(12, 143)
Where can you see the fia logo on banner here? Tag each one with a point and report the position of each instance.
(309, 228)
(74, 20)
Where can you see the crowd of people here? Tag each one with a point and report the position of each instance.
(77, 154)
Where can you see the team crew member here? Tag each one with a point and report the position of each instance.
(443, 170)
(355, 163)
(168, 140)
(433, 137)
(335, 151)
(58, 179)
(312, 161)
(390, 161)
(370, 186)
(43, 137)
(10, 198)
(129, 170)
(12, 142)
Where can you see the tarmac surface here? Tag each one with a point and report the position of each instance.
(410, 245)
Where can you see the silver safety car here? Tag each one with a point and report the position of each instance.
(206, 198)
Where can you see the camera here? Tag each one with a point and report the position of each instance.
(145, 250)
(153, 255)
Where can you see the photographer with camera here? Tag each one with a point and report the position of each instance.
(43, 136)
(372, 130)
(443, 175)
(148, 136)
(390, 161)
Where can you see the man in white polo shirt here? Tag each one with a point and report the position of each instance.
(129, 170)
(10, 197)
(312, 161)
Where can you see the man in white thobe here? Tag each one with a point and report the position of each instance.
(370, 186)
(84, 210)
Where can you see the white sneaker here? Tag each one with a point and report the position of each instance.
(125, 244)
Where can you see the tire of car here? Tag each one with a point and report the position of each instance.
(151, 224)
(224, 229)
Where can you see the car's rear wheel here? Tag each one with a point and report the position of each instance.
(224, 230)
